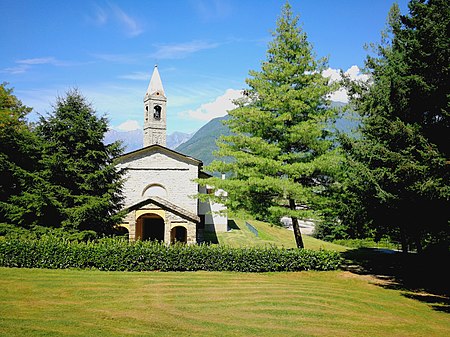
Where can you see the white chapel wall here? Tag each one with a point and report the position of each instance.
(173, 176)
(216, 218)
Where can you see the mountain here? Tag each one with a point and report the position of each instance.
(177, 138)
(348, 119)
(203, 143)
(133, 140)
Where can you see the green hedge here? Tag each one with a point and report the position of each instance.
(367, 243)
(120, 255)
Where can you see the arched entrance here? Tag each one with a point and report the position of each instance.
(178, 234)
(150, 227)
(121, 231)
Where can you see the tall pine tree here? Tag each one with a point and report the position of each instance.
(398, 169)
(76, 160)
(282, 155)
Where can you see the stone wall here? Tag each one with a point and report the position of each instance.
(174, 175)
(171, 220)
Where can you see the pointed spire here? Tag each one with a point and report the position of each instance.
(155, 84)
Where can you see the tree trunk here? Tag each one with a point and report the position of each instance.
(403, 240)
(297, 232)
(418, 244)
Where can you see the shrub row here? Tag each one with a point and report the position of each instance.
(367, 243)
(120, 255)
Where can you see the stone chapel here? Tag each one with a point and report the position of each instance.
(160, 185)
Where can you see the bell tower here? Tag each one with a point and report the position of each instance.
(155, 112)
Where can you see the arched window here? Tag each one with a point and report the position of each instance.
(154, 190)
(178, 234)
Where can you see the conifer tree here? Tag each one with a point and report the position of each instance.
(281, 153)
(25, 197)
(14, 137)
(398, 169)
(76, 160)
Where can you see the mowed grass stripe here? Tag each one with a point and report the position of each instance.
(91, 303)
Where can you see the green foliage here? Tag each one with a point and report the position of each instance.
(36, 232)
(119, 254)
(282, 149)
(367, 243)
(15, 154)
(396, 178)
(81, 167)
(24, 194)
(59, 173)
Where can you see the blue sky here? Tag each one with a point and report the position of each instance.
(203, 48)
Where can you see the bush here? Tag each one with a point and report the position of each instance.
(367, 243)
(120, 255)
(37, 232)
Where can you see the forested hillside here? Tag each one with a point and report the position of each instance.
(203, 143)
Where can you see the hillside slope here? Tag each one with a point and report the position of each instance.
(240, 236)
(202, 145)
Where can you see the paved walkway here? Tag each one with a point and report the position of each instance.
(306, 227)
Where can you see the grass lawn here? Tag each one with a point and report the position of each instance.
(241, 236)
(37, 302)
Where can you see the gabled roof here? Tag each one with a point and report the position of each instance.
(204, 175)
(165, 205)
(162, 149)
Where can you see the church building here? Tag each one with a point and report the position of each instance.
(160, 188)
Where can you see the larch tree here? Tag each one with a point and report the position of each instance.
(76, 160)
(281, 155)
(398, 169)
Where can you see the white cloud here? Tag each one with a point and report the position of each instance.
(137, 76)
(20, 69)
(131, 25)
(99, 18)
(334, 74)
(162, 52)
(38, 60)
(119, 58)
(26, 64)
(116, 15)
(210, 10)
(128, 125)
(355, 74)
(218, 108)
(181, 50)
